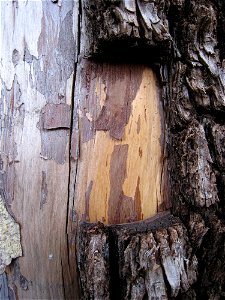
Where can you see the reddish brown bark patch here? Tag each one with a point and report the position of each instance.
(116, 112)
(117, 177)
(54, 124)
(109, 110)
(121, 207)
(87, 200)
(56, 116)
(44, 190)
(137, 201)
(87, 130)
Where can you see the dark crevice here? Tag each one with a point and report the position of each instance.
(72, 105)
(221, 28)
(115, 290)
(218, 116)
(120, 48)
(69, 214)
(209, 138)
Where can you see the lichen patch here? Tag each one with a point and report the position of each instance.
(10, 246)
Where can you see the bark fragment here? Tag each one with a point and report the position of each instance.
(56, 116)
(186, 40)
(54, 124)
(93, 261)
(145, 259)
(198, 178)
(126, 27)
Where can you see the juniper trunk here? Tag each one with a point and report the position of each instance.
(112, 152)
(183, 41)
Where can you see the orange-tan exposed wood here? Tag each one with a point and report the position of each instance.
(120, 174)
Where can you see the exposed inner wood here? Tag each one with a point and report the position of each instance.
(120, 172)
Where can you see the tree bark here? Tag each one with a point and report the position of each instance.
(183, 41)
(112, 112)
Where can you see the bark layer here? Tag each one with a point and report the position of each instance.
(151, 259)
(184, 40)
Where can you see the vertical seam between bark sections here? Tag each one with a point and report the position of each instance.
(78, 40)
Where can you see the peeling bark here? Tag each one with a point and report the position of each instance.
(121, 143)
(39, 48)
(184, 42)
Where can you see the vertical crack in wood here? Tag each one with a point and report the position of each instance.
(74, 140)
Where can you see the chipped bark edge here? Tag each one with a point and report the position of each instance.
(130, 261)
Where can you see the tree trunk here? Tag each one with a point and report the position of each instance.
(112, 149)
(39, 46)
(183, 42)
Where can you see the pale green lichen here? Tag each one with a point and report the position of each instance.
(10, 246)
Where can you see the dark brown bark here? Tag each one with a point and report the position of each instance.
(133, 261)
(184, 41)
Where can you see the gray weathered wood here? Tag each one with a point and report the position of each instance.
(38, 54)
(4, 290)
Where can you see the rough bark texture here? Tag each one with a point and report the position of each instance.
(93, 261)
(151, 259)
(184, 41)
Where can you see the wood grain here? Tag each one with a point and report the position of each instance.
(120, 169)
(38, 56)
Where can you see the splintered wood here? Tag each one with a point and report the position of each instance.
(120, 175)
